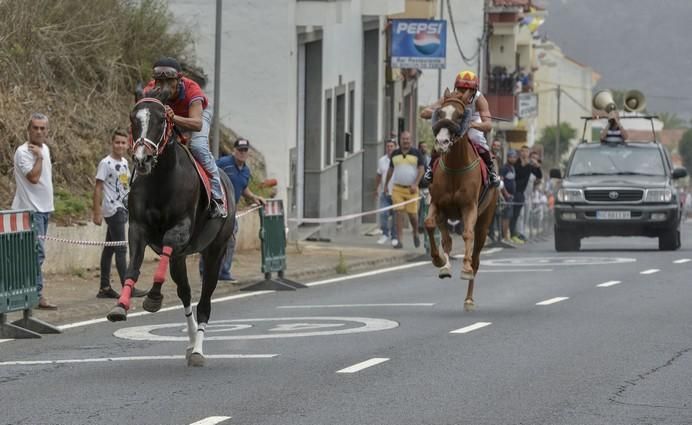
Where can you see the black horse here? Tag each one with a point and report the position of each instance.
(168, 210)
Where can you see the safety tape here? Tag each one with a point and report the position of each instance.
(351, 216)
(122, 243)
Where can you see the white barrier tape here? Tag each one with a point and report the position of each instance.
(351, 216)
(123, 243)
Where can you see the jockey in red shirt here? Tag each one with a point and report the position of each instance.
(187, 106)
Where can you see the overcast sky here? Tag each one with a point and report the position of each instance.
(632, 44)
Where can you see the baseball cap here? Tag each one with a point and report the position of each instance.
(241, 143)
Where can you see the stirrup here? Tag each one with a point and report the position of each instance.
(217, 209)
(493, 179)
(428, 176)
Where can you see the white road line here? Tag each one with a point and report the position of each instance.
(252, 294)
(470, 328)
(133, 358)
(512, 270)
(552, 301)
(363, 365)
(682, 260)
(5, 340)
(608, 283)
(211, 420)
(359, 305)
(650, 271)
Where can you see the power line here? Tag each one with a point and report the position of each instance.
(467, 60)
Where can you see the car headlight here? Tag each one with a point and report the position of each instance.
(658, 195)
(570, 195)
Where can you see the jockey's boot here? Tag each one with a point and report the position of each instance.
(493, 178)
(428, 176)
(217, 209)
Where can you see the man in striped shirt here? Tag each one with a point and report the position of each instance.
(613, 132)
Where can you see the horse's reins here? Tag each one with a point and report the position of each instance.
(473, 164)
(165, 136)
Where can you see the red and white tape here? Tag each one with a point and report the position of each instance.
(351, 216)
(14, 222)
(123, 243)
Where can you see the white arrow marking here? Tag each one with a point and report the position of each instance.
(470, 328)
(608, 283)
(211, 420)
(552, 301)
(363, 365)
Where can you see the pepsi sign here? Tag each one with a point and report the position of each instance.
(418, 43)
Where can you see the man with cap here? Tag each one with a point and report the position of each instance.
(188, 108)
(508, 175)
(235, 166)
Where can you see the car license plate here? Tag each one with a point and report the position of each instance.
(613, 215)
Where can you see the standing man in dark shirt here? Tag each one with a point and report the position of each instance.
(524, 168)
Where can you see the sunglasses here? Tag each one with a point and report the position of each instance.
(165, 74)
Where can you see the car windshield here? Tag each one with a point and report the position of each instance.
(621, 160)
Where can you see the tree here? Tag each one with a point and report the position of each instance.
(547, 139)
(685, 149)
(671, 120)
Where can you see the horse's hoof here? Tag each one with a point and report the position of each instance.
(117, 314)
(438, 261)
(195, 360)
(469, 305)
(152, 305)
(466, 275)
(444, 273)
(188, 353)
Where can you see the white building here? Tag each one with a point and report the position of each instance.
(304, 81)
(468, 22)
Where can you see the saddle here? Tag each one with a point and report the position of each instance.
(204, 176)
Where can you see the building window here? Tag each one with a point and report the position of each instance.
(328, 129)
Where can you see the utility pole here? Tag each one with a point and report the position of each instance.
(439, 70)
(217, 83)
(557, 133)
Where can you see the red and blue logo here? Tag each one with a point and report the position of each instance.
(418, 43)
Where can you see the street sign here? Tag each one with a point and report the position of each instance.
(527, 105)
(418, 43)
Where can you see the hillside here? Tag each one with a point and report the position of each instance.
(78, 63)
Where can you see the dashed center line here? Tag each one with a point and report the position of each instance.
(470, 328)
(211, 420)
(363, 365)
(682, 260)
(5, 340)
(552, 301)
(608, 283)
(650, 271)
(359, 305)
(133, 358)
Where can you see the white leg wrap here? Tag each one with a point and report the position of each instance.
(199, 340)
(191, 325)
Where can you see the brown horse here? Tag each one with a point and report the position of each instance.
(455, 193)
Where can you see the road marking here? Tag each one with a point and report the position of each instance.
(359, 305)
(650, 271)
(682, 260)
(252, 294)
(133, 358)
(5, 340)
(368, 324)
(554, 261)
(470, 328)
(552, 301)
(512, 270)
(211, 420)
(608, 283)
(363, 365)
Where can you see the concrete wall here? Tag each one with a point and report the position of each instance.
(65, 258)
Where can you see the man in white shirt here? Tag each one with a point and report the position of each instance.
(385, 198)
(34, 181)
(110, 203)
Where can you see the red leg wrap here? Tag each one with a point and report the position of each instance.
(160, 274)
(126, 293)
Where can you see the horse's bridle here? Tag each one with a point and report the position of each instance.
(159, 146)
(457, 130)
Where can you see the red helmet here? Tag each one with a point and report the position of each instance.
(466, 80)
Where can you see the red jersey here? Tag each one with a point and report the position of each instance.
(188, 92)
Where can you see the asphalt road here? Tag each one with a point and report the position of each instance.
(601, 336)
